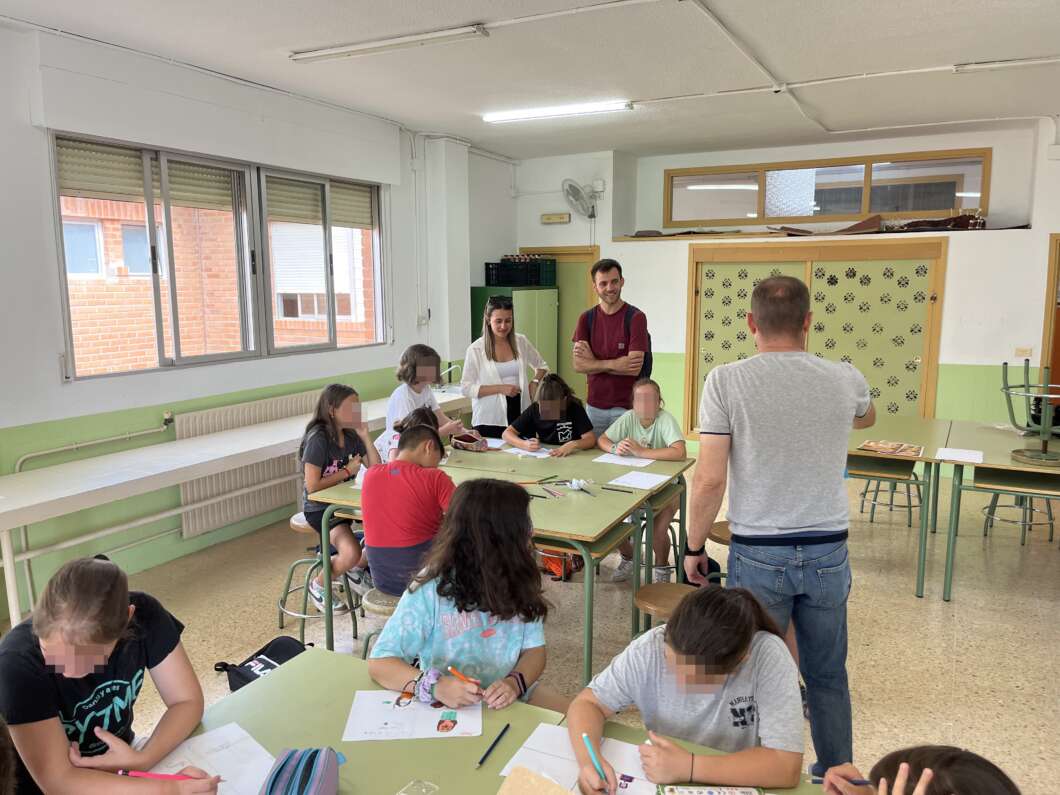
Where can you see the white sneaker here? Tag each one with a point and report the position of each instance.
(360, 580)
(623, 571)
(661, 574)
(316, 595)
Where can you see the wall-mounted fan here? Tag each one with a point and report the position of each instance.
(580, 198)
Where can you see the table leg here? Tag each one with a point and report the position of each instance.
(936, 476)
(325, 567)
(587, 636)
(634, 582)
(7, 549)
(649, 555)
(951, 541)
(682, 531)
(921, 562)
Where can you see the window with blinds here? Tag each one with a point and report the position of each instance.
(161, 266)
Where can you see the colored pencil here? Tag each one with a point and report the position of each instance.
(857, 782)
(462, 678)
(155, 776)
(614, 488)
(592, 755)
(493, 745)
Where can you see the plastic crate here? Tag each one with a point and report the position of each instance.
(521, 272)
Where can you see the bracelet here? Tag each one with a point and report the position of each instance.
(425, 689)
(348, 473)
(694, 553)
(614, 447)
(520, 682)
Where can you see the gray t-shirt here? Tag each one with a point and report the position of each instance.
(759, 703)
(789, 415)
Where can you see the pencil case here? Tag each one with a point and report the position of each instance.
(309, 771)
(471, 442)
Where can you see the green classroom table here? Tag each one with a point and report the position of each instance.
(931, 434)
(590, 526)
(305, 703)
(999, 473)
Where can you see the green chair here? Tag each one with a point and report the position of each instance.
(909, 505)
(312, 566)
(1026, 520)
(658, 502)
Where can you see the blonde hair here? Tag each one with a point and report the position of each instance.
(85, 601)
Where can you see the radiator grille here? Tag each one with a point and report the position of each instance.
(225, 512)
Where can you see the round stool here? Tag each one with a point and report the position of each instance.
(378, 604)
(660, 599)
(720, 533)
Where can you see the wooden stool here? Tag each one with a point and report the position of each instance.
(659, 599)
(299, 524)
(378, 604)
(720, 533)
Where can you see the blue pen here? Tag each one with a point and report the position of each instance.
(857, 782)
(594, 757)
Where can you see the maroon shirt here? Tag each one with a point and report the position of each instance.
(607, 390)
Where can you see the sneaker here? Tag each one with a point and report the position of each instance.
(316, 595)
(623, 571)
(360, 580)
(805, 703)
(661, 574)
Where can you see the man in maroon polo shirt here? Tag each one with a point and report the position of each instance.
(611, 354)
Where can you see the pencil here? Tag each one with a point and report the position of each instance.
(493, 745)
(155, 776)
(615, 488)
(462, 678)
(857, 782)
(592, 755)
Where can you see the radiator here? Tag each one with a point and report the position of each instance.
(225, 512)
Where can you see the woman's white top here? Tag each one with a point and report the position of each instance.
(403, 401)
(480, 371)
(509, 371)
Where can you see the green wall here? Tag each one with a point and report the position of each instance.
(973, 392)
(16, 441)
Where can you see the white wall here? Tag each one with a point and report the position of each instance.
(995, 280)
(538, 184)
(31, 327)
(492, 212)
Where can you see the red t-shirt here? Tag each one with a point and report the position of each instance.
(402, 503)
(607, 390)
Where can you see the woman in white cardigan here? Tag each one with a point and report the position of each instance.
(495, 370)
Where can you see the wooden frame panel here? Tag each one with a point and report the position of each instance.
(986, 153)
(1048, 324)
(933, 248)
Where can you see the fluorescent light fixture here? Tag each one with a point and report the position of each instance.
(558, 111)
(965, 194)
(752, 215)
(720, 186)
(386, 45)
(874, 165)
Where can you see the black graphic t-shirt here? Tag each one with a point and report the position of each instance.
(31, 692)
(571, 427)
(320, 450)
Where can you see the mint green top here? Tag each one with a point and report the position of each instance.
(661, 433)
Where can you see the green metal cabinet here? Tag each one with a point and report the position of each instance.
(536, 312)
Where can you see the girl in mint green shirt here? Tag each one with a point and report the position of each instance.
(647, 431)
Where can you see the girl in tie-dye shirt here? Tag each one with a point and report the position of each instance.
(477, 606)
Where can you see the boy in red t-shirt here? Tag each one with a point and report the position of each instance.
(402, 502)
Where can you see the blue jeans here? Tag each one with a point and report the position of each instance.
(602, 419)
(808, 585)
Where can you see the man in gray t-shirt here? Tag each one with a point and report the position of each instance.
(775, 427)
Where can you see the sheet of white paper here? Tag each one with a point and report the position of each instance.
(547, 751)
(526, 453)
(623, 460)
(375, 716)
(640, 480)
(228, 752)
(957, 454)
(495, 444)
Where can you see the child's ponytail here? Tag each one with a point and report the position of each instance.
(554, 388)
(85, 601)
(715, 626)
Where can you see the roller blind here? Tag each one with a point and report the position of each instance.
(351, 205)
(205, 187)
(101, 171)
(294, 201)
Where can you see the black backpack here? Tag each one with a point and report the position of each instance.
(262, 662)
(645, 369)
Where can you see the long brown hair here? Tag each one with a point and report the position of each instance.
(483, 555)
(420, 416)
(323, 416)
(494, 303)
(957, 772)
(552, 387)
(418, 356)
(85, 601)
(715, 626)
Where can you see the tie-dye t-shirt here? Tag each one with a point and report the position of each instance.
(429, 627)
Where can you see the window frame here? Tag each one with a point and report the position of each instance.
(256, 310)
(101, 268)
(150, 269)
(986, 153)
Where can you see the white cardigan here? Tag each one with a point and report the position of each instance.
(481, 371)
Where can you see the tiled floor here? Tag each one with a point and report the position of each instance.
(981, 672)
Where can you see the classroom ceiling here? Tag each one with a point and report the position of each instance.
(642, 52)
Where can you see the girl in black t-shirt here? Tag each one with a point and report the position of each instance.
(69, 677)
(556, 417)
(335, 444)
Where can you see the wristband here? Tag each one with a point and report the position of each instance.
(694, 553)
(349, 474)
(614, 447)
(425, 689)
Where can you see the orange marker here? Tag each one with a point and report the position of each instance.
(463, 678)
